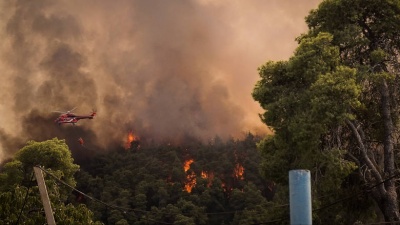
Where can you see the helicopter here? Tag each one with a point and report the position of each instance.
(69, 117)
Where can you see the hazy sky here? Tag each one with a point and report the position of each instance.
(164, 69)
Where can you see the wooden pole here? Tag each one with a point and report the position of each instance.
(44, 196)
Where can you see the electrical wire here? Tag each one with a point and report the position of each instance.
(341, 200)
(122, 209)
(25, 200)
(125, 210)
(391, 223)
(356, 194)
(236, 211)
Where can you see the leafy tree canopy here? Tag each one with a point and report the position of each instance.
(334, 103)
(51, 154)
(19, 195)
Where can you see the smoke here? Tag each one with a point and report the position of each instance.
(164, 69)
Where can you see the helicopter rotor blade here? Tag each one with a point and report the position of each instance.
(65, 112)
(59, 112)
(71, 110)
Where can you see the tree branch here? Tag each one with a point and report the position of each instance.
(365, 157)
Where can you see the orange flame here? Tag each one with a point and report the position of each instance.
(186, 165)
(190, 182)
(239, 171)
(130, 138)
(226, 188)
(190, 178)
(209, 176)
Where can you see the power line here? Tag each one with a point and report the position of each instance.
(138, 210)
(339, 201)
(123, 209)
(398, 222)
(356, 194)
(25, 200)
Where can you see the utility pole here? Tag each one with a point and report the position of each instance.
(44, 196)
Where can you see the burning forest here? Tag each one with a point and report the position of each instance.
(211, 179)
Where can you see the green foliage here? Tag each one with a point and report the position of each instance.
(378, 56)
(336, 167)
(51, 154)
(300, 97)
(366, 30)
(334, 96)
(12, 203)
(344, 72)
(19, 192)
(70, 214)
(13, 174)
(283, 90)
(277, 157)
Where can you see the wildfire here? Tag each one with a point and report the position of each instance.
(186, 165)
(190, 178)
(190, 182)
(209, 176)
(129, 139)
(239, 171)
(226, 187)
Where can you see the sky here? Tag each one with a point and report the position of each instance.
(166, 70)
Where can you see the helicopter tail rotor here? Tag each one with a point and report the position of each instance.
(93, 113)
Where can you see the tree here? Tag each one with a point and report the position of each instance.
(19, 192)
(251, 207)
(336, 101)
(51, 154)
(149, 183)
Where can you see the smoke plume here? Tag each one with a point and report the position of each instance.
(164, 69)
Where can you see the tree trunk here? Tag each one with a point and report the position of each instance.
(384, 191)
(390, 208)
(387, 204)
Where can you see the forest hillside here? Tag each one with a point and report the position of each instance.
(214, 183)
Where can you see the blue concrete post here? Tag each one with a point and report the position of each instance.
(300, 197)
